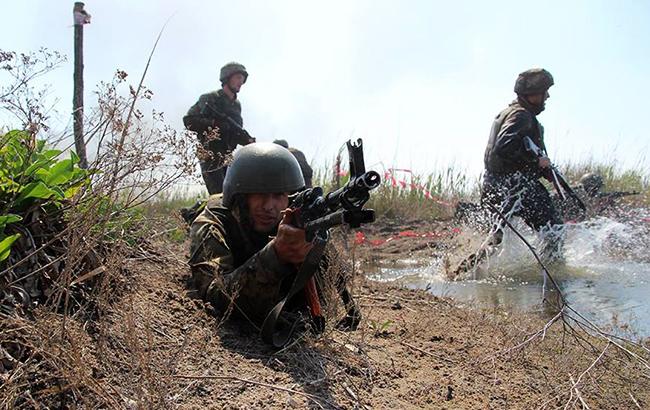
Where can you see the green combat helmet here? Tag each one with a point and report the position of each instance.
(261, 167)
(533, 81)
(592, 183)
(230, 69)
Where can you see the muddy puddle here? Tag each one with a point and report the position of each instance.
(605, 275)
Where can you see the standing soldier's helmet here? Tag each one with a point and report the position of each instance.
(592, 183)
(230, 69)
(533, 81)
(261, 167)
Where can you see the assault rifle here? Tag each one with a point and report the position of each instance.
(316, 213)
(616, 194)
(554, 175)
(240, 130)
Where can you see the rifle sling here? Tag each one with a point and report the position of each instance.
(565, 186)
(280, 337)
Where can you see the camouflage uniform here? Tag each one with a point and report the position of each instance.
(233, 266)
(511, 181)
(231, 263)
(204, 116)
(510, 169)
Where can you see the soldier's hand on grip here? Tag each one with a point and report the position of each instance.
(290, 244)
(544, 162)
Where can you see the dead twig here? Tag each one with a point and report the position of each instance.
(574, 384)
(427, 353)
(575, 388)
(636, 403)
(532, 250)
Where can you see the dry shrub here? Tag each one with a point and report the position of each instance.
(74, 268)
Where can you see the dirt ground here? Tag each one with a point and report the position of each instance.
(155, 346)
(416, 239)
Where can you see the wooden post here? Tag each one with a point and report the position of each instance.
(81, 17)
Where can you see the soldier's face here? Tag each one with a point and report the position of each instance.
(539, 99)
(265, 209)
(235, 82)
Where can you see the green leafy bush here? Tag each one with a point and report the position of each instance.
(35, 187)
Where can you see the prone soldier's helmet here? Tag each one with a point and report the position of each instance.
(533, 81)
(261, 167)
(230, 69)
(592, 183)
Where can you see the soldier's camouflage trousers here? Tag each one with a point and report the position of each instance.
(213, 174)
(524, 196)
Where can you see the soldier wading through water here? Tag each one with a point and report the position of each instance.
(216, 118)
(244, 249)
(512, 173)
(511, 182)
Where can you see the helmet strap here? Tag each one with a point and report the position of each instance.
(241, 213)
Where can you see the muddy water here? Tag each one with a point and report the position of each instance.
(605, 275)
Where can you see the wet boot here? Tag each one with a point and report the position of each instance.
(472, 261)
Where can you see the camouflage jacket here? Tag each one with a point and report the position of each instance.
(505, 152)
(207, 113)
(232, 267)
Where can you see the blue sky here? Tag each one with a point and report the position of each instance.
(420, 81)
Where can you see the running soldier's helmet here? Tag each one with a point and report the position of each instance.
(592, 183)
(533, 81)
(230, 69)
(261, 167)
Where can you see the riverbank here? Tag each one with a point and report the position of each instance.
(153, 345)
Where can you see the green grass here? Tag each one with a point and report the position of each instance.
(448, 186)
(406, 195)
(445, 186)
(172, 200)
(162, 213)
(615, 177)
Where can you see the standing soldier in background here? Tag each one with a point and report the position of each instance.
(307, 172)
(216, 118)
(512, 173)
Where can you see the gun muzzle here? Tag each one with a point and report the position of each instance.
(370, 180)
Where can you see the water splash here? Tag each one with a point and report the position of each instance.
(605, 273)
